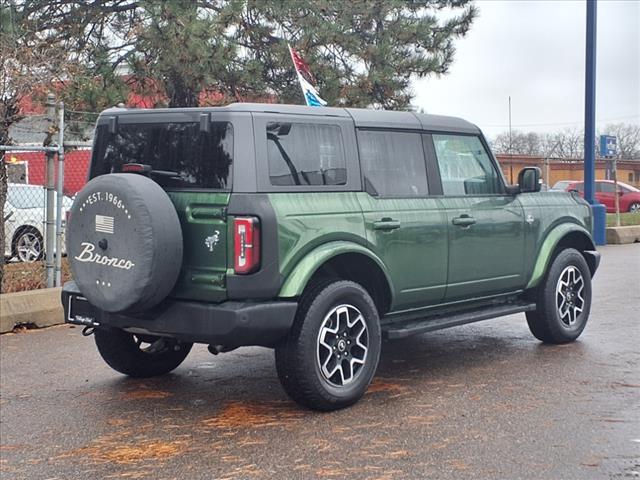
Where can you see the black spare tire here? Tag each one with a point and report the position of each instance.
(124, 242)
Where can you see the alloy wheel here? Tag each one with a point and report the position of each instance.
(29, 247)
(343, 343)
(569, 299)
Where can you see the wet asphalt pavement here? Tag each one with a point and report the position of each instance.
(479, 401)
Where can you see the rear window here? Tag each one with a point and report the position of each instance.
(305, 154)
(393, 163)
(179, 154)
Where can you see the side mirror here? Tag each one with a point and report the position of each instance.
(529, 179)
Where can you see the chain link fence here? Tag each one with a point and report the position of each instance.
(42, 181)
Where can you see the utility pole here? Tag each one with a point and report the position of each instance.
(599, 212)
(510, 146)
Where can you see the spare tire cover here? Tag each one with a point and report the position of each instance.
(124, 242)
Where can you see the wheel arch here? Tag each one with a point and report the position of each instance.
(561, 237)
(344, 260)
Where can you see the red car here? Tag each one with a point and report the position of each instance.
(605, 194)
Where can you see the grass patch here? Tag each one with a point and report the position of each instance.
(625, 219)
(19, 276)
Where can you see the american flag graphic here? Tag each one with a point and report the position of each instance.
(104, 224)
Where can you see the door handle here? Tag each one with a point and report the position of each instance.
(463, 221)
(386, 224)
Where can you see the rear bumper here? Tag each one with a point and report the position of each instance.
(229, 324)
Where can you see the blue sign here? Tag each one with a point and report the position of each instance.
(608, 145)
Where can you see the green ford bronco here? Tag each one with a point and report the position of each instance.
(313, 231)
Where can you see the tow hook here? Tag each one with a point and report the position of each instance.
(88, 331)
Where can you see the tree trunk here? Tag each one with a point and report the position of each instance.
(3, 197)
(8, 115)
(180, 94)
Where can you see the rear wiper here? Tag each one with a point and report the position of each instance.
(164, 173)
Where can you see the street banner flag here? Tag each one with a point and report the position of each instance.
(311, 95)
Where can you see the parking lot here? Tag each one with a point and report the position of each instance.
(480, 401)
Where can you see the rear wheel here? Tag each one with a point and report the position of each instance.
(140, 355)
(331, 353)
(563, 299)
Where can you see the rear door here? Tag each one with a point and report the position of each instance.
(404, 226)
(190, 154)
(606, 194)
(486, 226)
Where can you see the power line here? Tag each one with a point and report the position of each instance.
(551, 124)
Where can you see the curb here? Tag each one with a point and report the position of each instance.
(41, 308)
(622, 235)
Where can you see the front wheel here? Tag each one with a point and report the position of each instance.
(634, 207)
(330, 356)
(563, 299)
(28, 246)
(139, 356)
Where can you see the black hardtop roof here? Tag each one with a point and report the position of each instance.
(362, 117)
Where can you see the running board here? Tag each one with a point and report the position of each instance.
(414, 327)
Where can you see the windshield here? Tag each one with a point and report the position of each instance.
(562, 185)
(182, 155)
(25, 196)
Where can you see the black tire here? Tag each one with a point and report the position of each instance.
(634, 207)
(29, 235)
(547, 323)
(298, 356)
(122, 353)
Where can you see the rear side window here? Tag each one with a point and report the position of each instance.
(465, 166)
(179, 154)
(604, 187)
(305, 154)
(393, 163)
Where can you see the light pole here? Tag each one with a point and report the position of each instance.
(599, 211)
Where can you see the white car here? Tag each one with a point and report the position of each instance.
(24, 221)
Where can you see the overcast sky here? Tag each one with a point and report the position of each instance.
(535, 52)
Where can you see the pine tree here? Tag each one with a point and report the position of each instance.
(363, 52)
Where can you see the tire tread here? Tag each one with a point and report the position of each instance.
(299, 383)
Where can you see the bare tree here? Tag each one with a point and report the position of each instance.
(520, 143)
(564, 144)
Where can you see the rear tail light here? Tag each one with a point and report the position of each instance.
(246, 246)
(135, 168)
